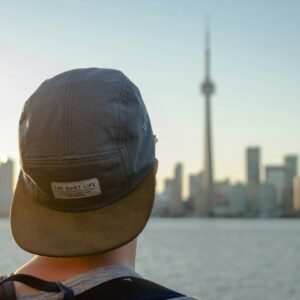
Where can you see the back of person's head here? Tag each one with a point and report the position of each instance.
(87, 154)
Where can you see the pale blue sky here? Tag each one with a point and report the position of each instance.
(159, 45)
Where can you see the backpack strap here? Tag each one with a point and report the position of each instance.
(8, 290)
(125, 288)
(128, 288)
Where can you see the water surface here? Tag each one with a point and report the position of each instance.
(210, 258)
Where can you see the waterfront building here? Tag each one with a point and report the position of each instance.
(208, 88)
(198, 202)
(276, 175)
(253, 165)
(176, 207)
(291, 167)
(237, 204)
(169, 186)
(252, 199)
(223, 192)
(296, 194)
(6, 186)
(253, 179)
(222, 198)
(163, 199)
(267, 200)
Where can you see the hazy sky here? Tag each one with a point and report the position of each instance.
(159, 45)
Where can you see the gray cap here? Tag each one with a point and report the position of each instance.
(86, 145)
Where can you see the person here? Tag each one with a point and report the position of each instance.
(85, 190)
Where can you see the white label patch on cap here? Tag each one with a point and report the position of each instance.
(76, 189)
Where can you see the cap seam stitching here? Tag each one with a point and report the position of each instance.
(70, 102)
(85, 155)
(123, 118)
(128, 162)
(66, 112)
(56, 164)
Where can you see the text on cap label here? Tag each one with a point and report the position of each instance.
(76, 189)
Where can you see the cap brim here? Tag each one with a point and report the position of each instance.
(43, 231)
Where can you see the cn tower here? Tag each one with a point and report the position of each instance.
(208, 88)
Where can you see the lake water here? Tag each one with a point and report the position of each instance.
(212, 259)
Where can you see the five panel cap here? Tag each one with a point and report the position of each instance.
(87, 155)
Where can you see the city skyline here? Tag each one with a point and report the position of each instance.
(160, 48)
(255, 169)
(276, 194)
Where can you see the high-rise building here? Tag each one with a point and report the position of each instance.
(237, 205)
(169, 183)
(178, 181)
(163, 199)
(291, 166)
(276, 175)
(222, 198)
(253, 165)
(253, 179)
(198, 202)
(223, 192)
(296, 195)
(267, 200)
(6, 186)
(208, 88)
(176, 204)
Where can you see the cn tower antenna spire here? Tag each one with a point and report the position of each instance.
(207, 49)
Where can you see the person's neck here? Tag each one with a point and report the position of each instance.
(61, 269)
